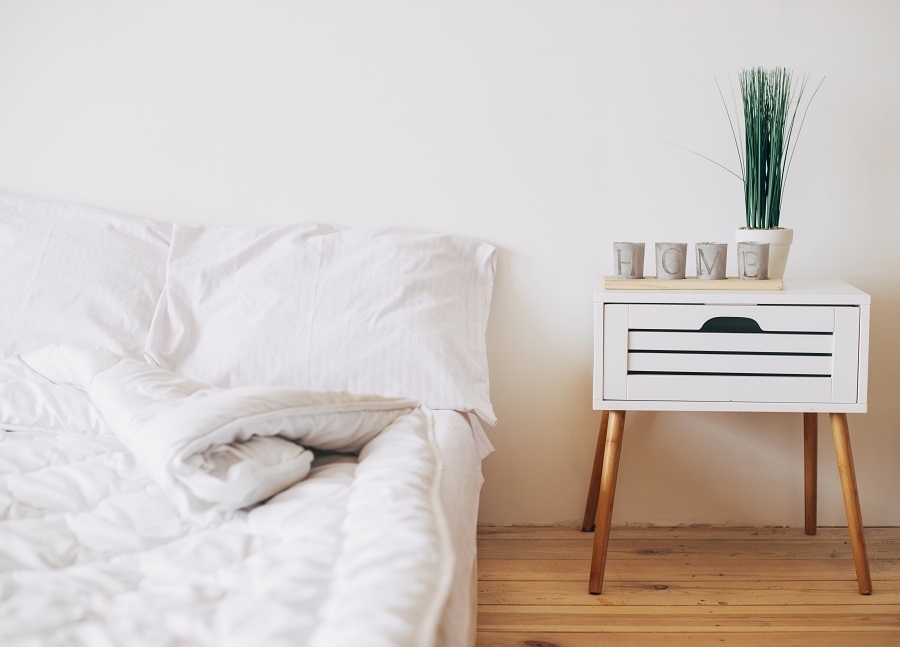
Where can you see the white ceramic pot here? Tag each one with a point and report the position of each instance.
(779, 245)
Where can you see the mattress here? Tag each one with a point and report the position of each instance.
(110, 560)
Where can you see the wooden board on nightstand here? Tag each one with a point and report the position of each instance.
(731, 283)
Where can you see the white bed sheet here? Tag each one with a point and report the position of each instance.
(463, 445)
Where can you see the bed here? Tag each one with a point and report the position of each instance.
(238, 435)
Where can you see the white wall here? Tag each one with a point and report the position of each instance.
(531, 124)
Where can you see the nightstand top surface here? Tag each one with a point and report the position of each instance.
(796, 291)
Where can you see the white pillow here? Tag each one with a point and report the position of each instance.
(79, 275)
(383, 311)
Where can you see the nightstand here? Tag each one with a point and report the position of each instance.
(801, 349)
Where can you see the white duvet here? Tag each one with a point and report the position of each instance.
(141, 508)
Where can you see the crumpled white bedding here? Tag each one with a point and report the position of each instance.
(94, 551)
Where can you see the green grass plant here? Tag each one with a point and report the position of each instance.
(771, 101)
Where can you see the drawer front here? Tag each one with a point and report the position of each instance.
(715, 388)
(722, 364)
(699, 353)
(770, 319)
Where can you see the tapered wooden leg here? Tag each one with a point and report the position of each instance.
(810, 468)
(590, 508)
(607, 495)
(841, 433)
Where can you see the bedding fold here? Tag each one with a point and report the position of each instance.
(216, 450)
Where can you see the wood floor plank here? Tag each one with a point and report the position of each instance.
(735, 639)
(814, 548)
(611, 619)
(527, 533)
(665, 569)
(704, 592)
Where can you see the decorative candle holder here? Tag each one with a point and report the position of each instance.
(711, 259)
(753, 260)
(671, 259)
(628, 260)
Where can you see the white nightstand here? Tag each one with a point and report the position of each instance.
(803, 349)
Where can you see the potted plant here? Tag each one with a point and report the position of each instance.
(771, 100)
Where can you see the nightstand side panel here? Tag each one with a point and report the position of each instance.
(845, 378)
(862, 397)
(615, 351)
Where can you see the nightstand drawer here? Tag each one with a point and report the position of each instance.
(730, 353)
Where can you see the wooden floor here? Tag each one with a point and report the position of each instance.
(697, 586)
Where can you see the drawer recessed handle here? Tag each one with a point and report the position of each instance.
(731, 324)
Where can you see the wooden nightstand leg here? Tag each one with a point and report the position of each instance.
(607, 495)
(590, 508)
(810, 468)
(841, 433)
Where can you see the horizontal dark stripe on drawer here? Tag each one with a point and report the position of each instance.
(723, 374)
(728, 352)
(758, 332)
